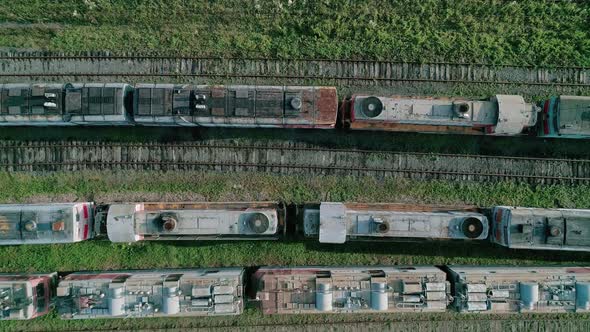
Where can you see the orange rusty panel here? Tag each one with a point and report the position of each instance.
(218, 91)
(307, 106)
(409, 207)
(209, 205)
(326, 107)
(373, 125)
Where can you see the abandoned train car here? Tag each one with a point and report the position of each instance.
(565, 116)
(155, 293)
(46, 223)
(497, 289)
(39, 104)
(340, 222)
(26, 296)
(500, 115)
(235, 106)
(351, 289)
(543, 229)
(195, 221)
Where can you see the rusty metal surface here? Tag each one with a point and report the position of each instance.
(314, 290)
(411, 207)
(235, 106)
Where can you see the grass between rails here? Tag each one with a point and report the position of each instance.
(523, 32)
(251, 317)
(105, 186)
(211, 186)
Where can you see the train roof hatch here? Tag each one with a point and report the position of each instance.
(332, 223)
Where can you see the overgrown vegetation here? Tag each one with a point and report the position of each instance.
(106, 186)
(517, 32)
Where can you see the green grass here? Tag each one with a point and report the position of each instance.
(251, 317)
(95, 185)
(523, 32)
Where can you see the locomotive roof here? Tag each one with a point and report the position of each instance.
(574, 115)
(37, 223)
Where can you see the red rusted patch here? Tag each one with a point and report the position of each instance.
(326, 105)
(239, 206)
(498, 216)
(388, 126)
(91, 276)
(578, 270)
(410, 207)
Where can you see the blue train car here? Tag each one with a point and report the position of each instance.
(565, 116)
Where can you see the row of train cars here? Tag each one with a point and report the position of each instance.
(283, 290)
(301, 290)
(248, 106)
(326, 222)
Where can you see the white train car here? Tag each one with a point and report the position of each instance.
(341, 222)
(46, 223)
(195, 221)
(512, 289)
(151, 293)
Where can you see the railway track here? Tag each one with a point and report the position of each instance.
(285, 158)
(487, 324)
(295, 71)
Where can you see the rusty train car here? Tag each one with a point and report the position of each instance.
(253, 106)
(154, 293)
(114, 104)
(326, 222)
(297, 290)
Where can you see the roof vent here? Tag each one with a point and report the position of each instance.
(30, 226)
(554, 231)
(258, 223)
(461, 110)
(380, 226)
(169, 222)
(472, 227)
(371, 107)
(296, 103)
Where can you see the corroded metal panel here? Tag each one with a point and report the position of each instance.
(339, 222)
(282, 290)
(498, 289)
(151, 293)
(26, 296)
(239, 106)
(542, 229)
(194, 221)
(46, 223)
(506, 115)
